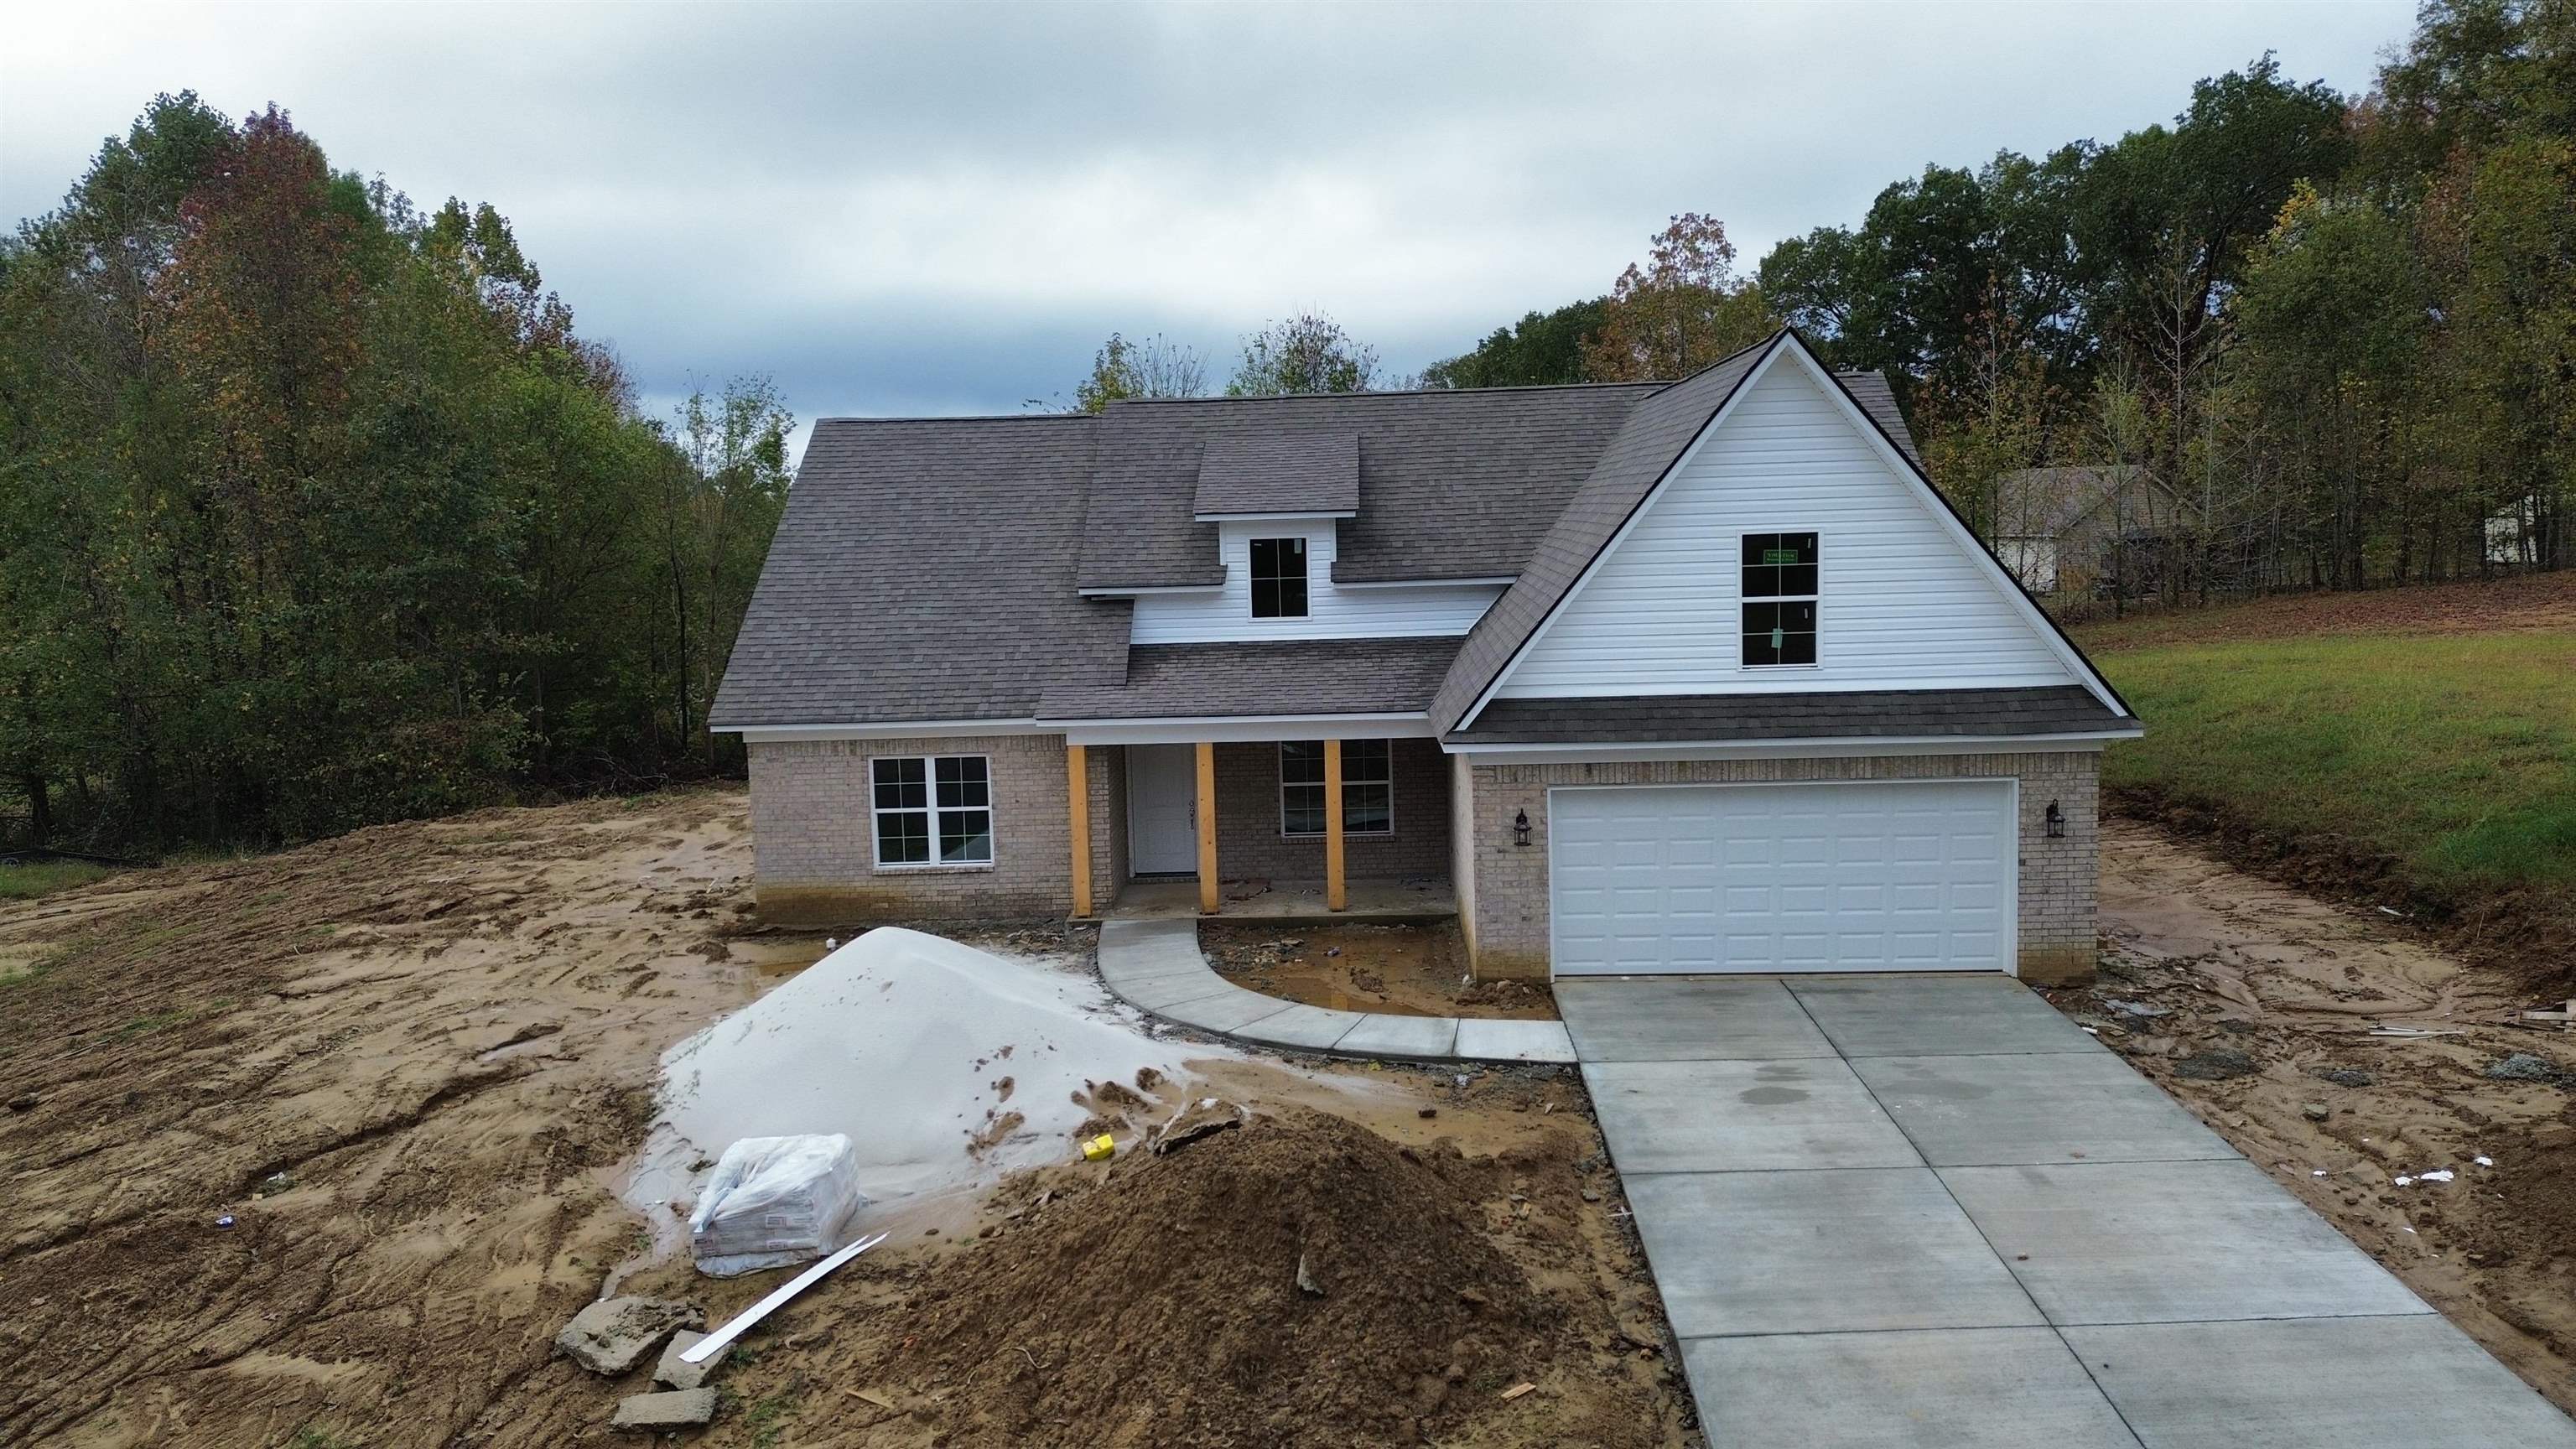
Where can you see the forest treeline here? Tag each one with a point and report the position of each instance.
(315, 511)
(2338, 333)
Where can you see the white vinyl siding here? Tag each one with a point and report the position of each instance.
(1842, 876)
(1907, 608)
(1331, 612)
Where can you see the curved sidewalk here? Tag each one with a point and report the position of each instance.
(1156, 967)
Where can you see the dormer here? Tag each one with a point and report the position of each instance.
(1285, 477)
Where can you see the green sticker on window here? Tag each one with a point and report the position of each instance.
(1779, 555)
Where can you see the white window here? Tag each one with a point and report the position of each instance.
(1780, 580)
(1368, 788)
(933, 809)
(1279, 578)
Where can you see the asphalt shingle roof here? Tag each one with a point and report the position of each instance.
(927, 569)
(1305, 676)
(1820, 715)
(923, 571)
(1451, 484)
(1279, 473)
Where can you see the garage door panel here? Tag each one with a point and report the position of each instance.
(1856, 876)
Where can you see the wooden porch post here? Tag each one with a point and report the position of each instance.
(1337, 895)
(1077, 774)
(1207, 829)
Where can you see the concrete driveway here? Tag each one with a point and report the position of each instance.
(1929, 1210)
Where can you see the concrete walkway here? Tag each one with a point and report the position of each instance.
(1929, 1210)
(1156, 966)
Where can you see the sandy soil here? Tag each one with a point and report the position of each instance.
(2524, 602)
(2254, 1005)
(1399, 970)
(411, 1066)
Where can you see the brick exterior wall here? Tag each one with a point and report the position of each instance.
(1502, 888)
(1249, 845)
(814, 842)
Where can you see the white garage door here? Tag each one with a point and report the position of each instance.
(1862, 876)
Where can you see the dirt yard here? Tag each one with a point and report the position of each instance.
(2255, 1006)
(322, 1148)
(2542, 601)
(1399, 970)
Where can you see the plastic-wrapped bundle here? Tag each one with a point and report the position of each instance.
(773, 1201)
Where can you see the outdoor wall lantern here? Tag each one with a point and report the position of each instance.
(2056, 822)
(1520, 827)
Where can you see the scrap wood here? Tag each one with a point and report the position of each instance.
(715, 1343)
(1516, 1390)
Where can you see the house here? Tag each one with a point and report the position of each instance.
(1690, 677)
(2056, 528)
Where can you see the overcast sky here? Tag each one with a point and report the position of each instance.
(943, 209)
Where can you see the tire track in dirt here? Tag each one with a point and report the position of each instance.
(2253, 1005)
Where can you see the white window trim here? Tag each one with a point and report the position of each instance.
(1287, 834)
(1741, 599)
(1305, 575)
(932, 810)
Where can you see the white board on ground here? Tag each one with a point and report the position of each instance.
(901, 1040)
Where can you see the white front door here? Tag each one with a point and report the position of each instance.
(1162, 809)
(1859, 876)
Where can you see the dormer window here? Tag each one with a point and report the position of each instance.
(1279, 578)
(1780, 591)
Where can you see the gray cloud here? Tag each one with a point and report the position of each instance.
(944, 208)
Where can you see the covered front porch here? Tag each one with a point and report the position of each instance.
(1319, 828)
(1308, 902)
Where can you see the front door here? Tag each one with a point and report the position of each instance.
(1162, 809)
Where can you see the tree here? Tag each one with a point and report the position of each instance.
(316, 511)
(1542, 348)
(1307, 353)
(1154, 367)
(1684, 309)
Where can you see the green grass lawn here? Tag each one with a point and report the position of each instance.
(2453, 753)
(39, 878)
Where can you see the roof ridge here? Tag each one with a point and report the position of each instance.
(1767, 339)
(965, 418)
(1273, 397)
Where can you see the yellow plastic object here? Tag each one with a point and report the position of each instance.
(1099, 1148)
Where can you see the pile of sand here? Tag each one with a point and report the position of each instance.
(946, 1066)
(1165, 1306)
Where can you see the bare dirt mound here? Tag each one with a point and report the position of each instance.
(1298, 1282)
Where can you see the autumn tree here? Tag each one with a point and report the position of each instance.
(1684, 309)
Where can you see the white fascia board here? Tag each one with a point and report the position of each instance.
(1289, 517)
(1236, 729)
(901, 729)
(1850, 748)
(1947, 518)
(1492, 581)
(1627, 526)
(1132, 592)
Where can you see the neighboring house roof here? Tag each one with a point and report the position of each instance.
(2047, 502)
(1307, 676)
(1849, 714)
(1279, 473)
(923, 571)
(1648, 443)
